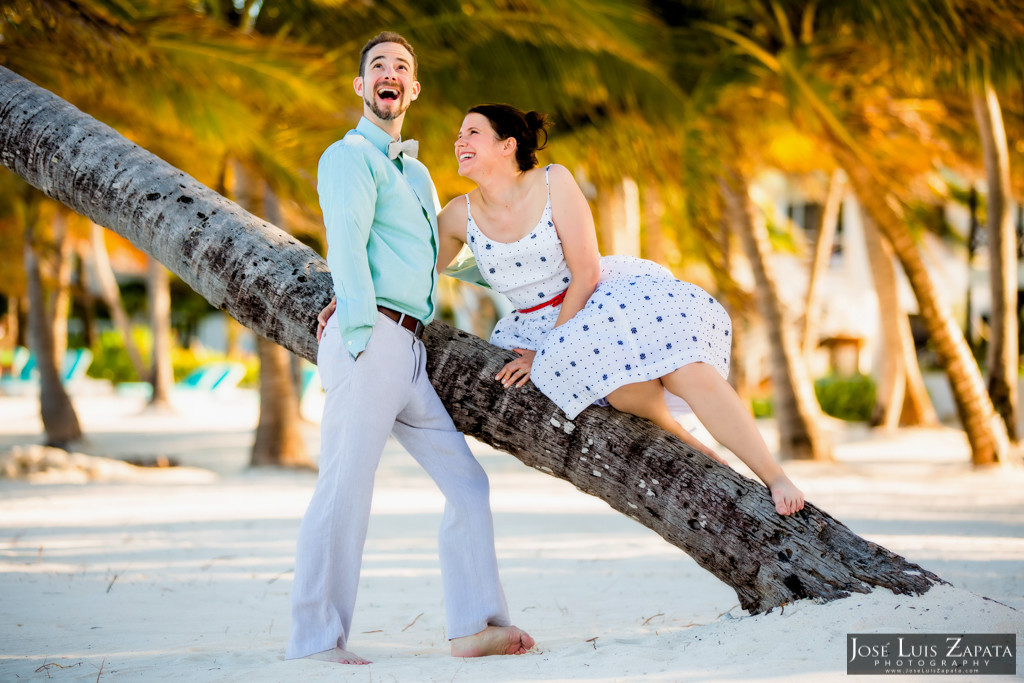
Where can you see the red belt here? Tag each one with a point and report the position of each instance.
(403, 319)
(551, 302)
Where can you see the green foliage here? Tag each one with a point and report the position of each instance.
(110, 360)
(847, 398)
(762, 406)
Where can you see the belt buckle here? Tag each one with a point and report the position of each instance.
(417, 327)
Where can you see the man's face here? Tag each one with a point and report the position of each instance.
(387, 85)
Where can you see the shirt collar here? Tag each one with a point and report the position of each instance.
(374, 134)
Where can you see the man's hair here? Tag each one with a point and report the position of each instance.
(387, 37)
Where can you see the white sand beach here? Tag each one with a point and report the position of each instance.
(146, 574)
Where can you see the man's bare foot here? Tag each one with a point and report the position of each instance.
(493, 640)
(339, 656)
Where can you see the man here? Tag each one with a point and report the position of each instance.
(380, 209)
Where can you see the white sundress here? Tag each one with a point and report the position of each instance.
(641, 323)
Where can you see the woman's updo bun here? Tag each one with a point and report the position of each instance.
(525, 127)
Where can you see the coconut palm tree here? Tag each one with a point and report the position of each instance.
(796, 50)
(58, 414)
(1003, 349)
(197, 87)
(971, 50)
(238, 262)
(716, 114)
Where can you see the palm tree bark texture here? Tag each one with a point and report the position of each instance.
(275, 285)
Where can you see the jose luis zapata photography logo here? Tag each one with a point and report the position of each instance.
(931, 653)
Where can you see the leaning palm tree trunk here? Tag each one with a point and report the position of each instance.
(796, 407)
(1003, 355)
(275, 285)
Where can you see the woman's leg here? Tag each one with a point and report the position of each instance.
(721, 411)
(647, 400)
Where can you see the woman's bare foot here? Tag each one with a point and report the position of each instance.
(493, 640)
(787, 497)
(339, 656)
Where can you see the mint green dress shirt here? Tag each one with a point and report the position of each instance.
(381, 220)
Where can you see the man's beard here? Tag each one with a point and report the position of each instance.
(382, 114)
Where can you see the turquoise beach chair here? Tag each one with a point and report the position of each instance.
(211, 377)
(25, 371)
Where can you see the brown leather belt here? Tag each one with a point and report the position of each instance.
(404, 319)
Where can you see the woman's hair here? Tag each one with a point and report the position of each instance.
(525, 127)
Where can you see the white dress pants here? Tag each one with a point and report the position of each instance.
(386, 390)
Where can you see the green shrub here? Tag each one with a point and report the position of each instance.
(111, 362)
(110, 359)
(847, 398)
(762, 406)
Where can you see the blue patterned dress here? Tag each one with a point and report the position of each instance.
(641, 323)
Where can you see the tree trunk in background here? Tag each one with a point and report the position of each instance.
(158, 293)
(60, 302)
(82, 292)
(733, 300)
(272, 282)
(618, 218)
(985, 430)
(902, 398)
(272, 212)
(892, 371)
(652, 245)
(822, 256)
(111, 294)
(23, 333)
(60, 421)
(279, 439)
(1003, 357)
(278, 435)
(796, 407)
(11, 328)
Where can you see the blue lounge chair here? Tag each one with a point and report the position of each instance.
(213, 377)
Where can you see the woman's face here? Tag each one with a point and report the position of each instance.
(477, 144)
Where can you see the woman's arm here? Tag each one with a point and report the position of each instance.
(575, 226)
(451, 232)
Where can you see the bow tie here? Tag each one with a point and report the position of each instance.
(409, 147)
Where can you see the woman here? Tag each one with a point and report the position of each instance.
(586, 327)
